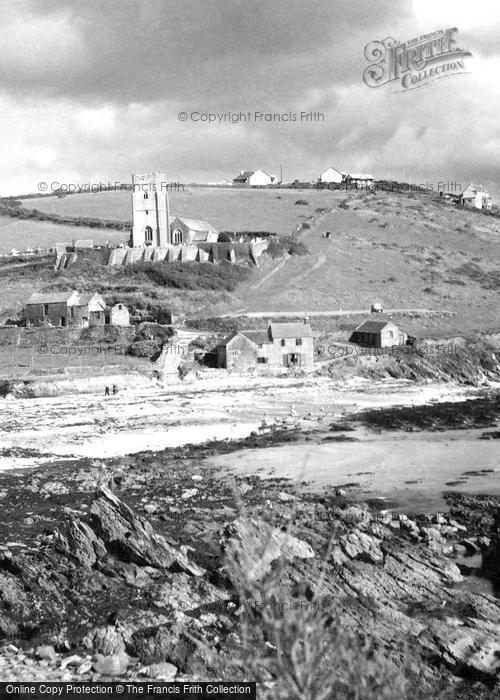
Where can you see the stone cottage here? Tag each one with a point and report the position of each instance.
(63, 309)
(281, 345)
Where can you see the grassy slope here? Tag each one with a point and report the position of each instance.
(405, 251)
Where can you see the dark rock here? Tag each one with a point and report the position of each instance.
(471, 545)
(81, 543)
(105, 640)
(132, 539)
(169, 643)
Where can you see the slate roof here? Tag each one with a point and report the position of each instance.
(243, 177)
(372, 326)
(291, 330)
(50, 298)
(84, 299)
(257, 337)
(278, 331)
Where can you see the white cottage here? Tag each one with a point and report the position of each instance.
(331, 175)
(255, 178)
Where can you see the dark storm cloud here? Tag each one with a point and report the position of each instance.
(208, 49)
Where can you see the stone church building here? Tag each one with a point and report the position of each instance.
(152, 224)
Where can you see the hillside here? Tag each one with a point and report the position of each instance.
(407, 251)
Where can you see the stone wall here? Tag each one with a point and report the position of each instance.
(237, 253)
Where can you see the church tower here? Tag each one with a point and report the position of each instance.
(150, 214)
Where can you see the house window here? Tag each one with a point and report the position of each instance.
(390, 334)
(261, 345)
(45, 309)
(262, 360)
(234, 353)
(298, 341)
(283, 342)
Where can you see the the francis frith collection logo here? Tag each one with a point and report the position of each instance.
(414, 63)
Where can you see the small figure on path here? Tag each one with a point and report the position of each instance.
(115, 389)
(106, 391)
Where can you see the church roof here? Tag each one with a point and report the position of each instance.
(195, 224)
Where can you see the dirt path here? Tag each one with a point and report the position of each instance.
(339, 312)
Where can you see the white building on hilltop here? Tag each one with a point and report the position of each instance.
(475, 196)
(255, 178)
(332, 175)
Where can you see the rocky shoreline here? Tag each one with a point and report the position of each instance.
(155, 566)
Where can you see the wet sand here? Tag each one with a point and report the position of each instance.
(90, 425)
(411, 469)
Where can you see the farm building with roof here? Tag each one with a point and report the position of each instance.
(65, 309)
(378, 334)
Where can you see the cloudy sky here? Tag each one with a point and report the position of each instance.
(91, 91)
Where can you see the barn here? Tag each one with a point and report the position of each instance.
(378, 334)
(65, 309)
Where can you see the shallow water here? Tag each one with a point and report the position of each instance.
(411, 469)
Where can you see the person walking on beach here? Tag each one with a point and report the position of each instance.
(106, 391)
(115, 389)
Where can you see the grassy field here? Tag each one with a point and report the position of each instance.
(225, 208)
(19, 234)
